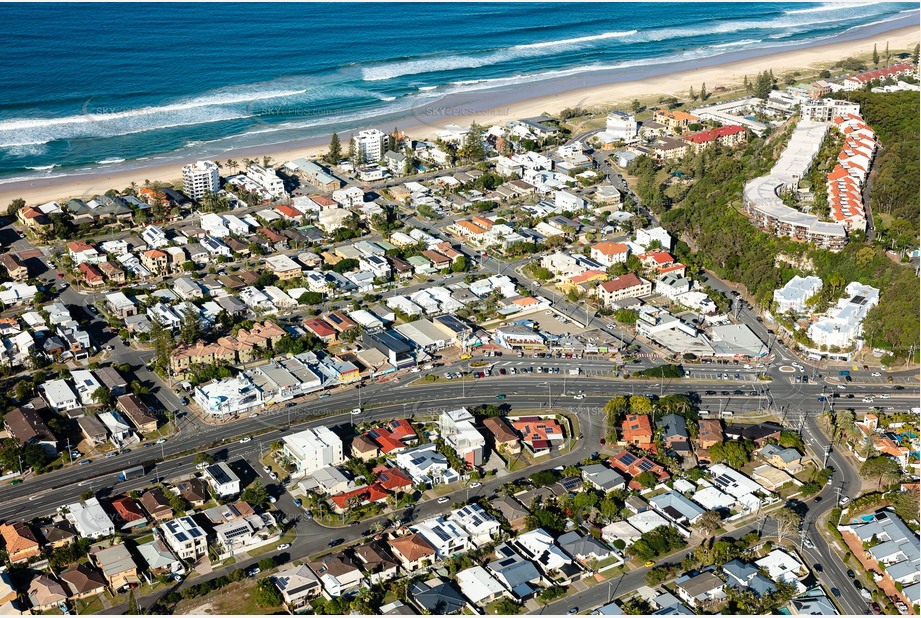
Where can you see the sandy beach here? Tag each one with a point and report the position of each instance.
(729, 74)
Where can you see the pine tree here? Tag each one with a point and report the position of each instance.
(875, 56)
(692, 94)
(916, 53)
(335, 150)
(353, 150)
(473, 150)
(747, 85)
(704, 95)
(886, 53)
(190, 327)
(395, 140)
(162, 339)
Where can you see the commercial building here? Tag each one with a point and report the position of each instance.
(229, 396)
(200, 179)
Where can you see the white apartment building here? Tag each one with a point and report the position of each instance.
(371, 145)
(267, 179)
(458, 431)
(313, 449)
(793, 295)
(200, 178)
(186, 538)
(843, 324)
(621, 126)
(645, 238)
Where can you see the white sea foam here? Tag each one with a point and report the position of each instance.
(832, 6)
(103, 121)
(577, 40)
(41, 168)
(111, 161)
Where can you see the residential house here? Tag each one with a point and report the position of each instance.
(160, 560)
(26, 427)
(788, 459)
(512, 510)
(117, 565)
(437, 596)
(113, 274)
(297, 585)
(603, 478)
(629, 463)
(111, 380)
(426, 465)
(20, 541)
(539, 547)
(757, 433)
(129, 513)
(518, 575)
(505, 440)
(637, 430)
(58, 534)
(479, 586)
(194, 491)
(458, 430)
(741, 574)
(137, 412)
(155, 261)
(45, 592)
(700, 591)
(185, 537)
(59, 396)
(15, 268)
(91, 275)
(480, 526)
(709, 433)
(156, 504)
(83, 581)
(444, 535)
(224, 482)
(676, 507)
(412, 551)
(337, 573)
(83, 253)
(674, 433)
(586, 549)
(376, 562)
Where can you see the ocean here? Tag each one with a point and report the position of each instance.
(103, 86)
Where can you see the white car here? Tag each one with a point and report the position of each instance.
(884, 396)
(844, 501)
(266, 469)
(876, 374)
(415, 370)
(202, 465)
(160, 441)
(580, 396)
(443, 500)
(842, 387)
(284, 546)
(245, 440)
(475, 485)
(868, 400)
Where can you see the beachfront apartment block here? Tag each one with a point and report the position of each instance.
(313, 449)
(371, 145)
(621, 126)
(824, 110)
(267, 180)
(762, 201)
(200, 179)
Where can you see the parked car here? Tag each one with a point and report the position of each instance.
(244, 440)
(335, 542)
(254, 571)
(443, 500)
(284, 546)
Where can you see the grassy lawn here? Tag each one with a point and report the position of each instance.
(518, 462)
(441, 490)
(287, 537)
(91, 605)
(606, 562)
(147, 538)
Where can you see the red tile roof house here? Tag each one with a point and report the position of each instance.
(323, 331)
(393, 479)
(637, 429)
(394, 437)
(20, 541)
(363, 495)
(91, 275)
(129, 513)
(288, 212)
(634, 466)
(538, 434)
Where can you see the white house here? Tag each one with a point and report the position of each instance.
(426, 465)
(446, 537)
(222, 479)
(59, 396)
(645, 238)
(476, 522)
(313, 449)
(185, 537)
(89, 519)
(564, 200)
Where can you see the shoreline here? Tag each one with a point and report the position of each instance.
(502, 105)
